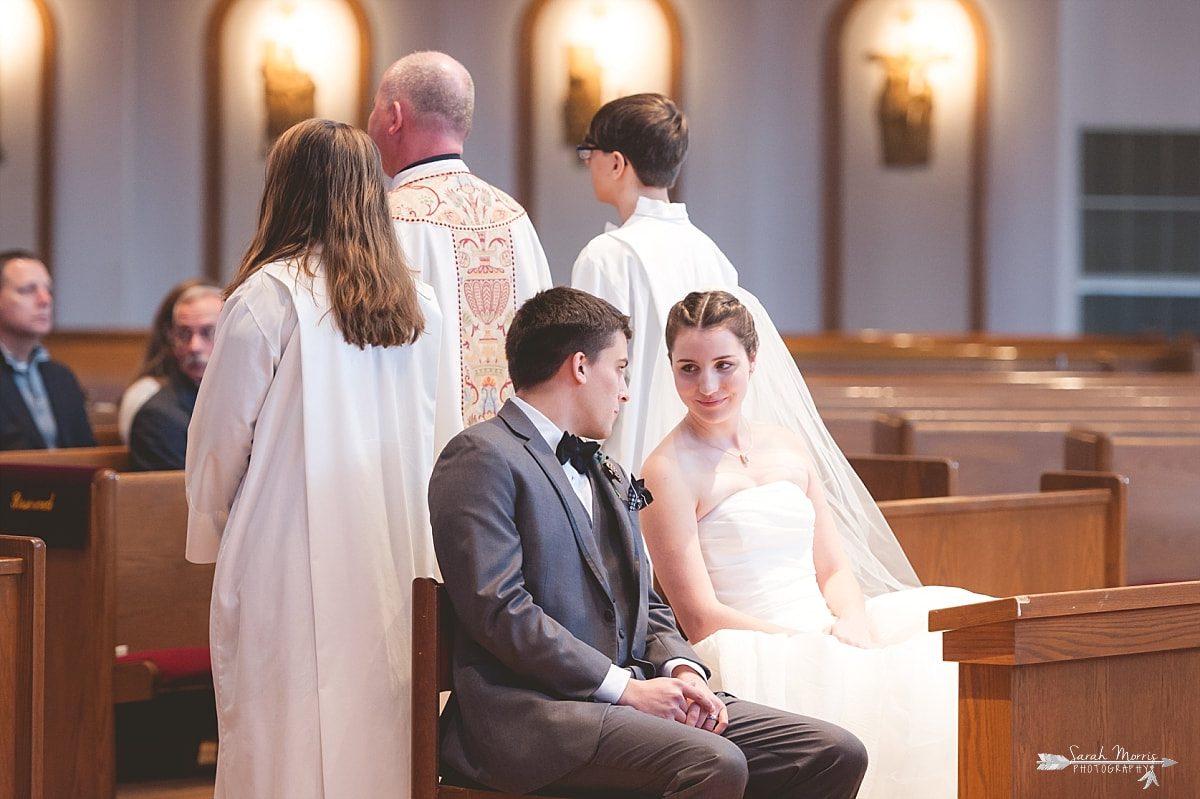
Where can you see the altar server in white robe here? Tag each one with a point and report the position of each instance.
(634, 148)
(308, 458)
(472, 242)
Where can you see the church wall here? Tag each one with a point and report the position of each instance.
(130, 137)
(1022, 210)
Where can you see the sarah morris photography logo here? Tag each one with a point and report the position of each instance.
(1117, 760)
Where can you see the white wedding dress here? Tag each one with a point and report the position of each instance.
(899, 699)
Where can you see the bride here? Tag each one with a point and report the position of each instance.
(748, 547)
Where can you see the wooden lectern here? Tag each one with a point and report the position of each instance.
(1079, 693)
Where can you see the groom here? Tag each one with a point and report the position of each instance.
(569, 674)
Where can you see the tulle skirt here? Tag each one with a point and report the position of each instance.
(899, 699)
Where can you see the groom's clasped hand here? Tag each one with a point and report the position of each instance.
(685, 698)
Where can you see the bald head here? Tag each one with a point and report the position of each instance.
(438, 88)
(423, 108)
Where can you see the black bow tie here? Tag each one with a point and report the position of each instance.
(574, 449)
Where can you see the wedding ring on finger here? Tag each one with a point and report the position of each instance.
(712, 717)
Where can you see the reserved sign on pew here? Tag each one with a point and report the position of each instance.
(52, 503)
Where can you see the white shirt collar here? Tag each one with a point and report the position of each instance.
(549, 430)
(647, 206)
(552, 433)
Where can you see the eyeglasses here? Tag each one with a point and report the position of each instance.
(183, 335)
(584, 151)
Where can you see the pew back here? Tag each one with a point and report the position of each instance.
(58, 504)
(1164, 481)
(108, 457)
(145, 513)
(1003, 454)
(982, 352)
(105, 361)
(22, 639)
(164, 604)
(1005, 545)
(905, 476)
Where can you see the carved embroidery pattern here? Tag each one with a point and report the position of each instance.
(480, 219)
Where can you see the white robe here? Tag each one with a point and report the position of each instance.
(643, 268)
(477, 248)
(650, 263)
(307, 468)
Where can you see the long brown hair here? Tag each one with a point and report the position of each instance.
(325, 202)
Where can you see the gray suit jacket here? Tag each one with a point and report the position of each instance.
(539, 629)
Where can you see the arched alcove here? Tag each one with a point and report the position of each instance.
(835, 135)
(575, 55)
(28, 91)
(259, 75)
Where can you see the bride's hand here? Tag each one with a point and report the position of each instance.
(853, 630)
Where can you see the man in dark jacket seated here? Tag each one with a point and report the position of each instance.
(41, 404)
(158, 437)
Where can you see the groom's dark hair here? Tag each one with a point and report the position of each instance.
(553, 325)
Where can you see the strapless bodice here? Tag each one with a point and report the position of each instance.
(757, 545)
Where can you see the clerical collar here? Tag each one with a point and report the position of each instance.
(431, 159)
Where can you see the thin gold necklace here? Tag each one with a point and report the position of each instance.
(743, 455)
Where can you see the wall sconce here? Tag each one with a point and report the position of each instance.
(905, 106)
(290, 91)
(20, 38)
(609, 49)
(593, 30)
(583, 92)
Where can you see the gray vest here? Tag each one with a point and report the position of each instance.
(617, 562)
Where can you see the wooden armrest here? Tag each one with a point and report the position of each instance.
(134, 681)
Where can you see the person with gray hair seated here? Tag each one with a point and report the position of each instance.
(158, 436)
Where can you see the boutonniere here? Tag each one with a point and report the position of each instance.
(639, 495)
(609, 469)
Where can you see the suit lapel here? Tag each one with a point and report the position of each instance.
(612, 492)
(519, 424)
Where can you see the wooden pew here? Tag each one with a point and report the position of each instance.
(1067, 537)
(852, 428)
(979, 352)
(56, 504)
(1002, 390)
(105, 361)
(1164, 483)
(1044, 678)
(1006, 453)
(905, 476)
(162, 682)
(849, 409)
(1132, 411)
(110, 457)
(158, 611)
(162, 601)
(107, 434)
(22, 640)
